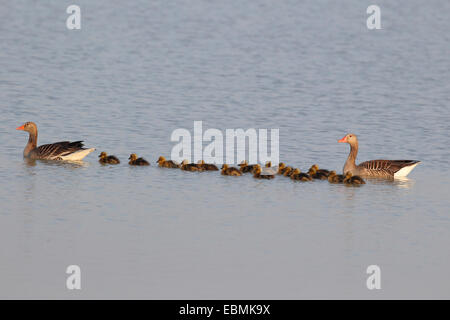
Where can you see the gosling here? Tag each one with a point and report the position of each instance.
(353, 180)
(105, 159)
(163, 163)
(258, 174)
(135, 161)
(335, 178)
(186, 166)
(230, 171)
(207, 166)
(245, 167)
(315, 174)
(300, 176)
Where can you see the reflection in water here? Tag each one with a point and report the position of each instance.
(397, 182)
(65, 164)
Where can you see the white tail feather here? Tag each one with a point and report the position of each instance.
(403, 172)
(78, 155)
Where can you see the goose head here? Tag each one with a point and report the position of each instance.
(350, 139)
(28, 127)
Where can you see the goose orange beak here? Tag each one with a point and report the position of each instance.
(21, 128)
(344, 139)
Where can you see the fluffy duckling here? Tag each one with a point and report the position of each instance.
(268, 164)
(298, 175)
(230, 171)
(315, 174)
(281, 168)
(186, 166)
(321, 171)
(207, 166)
(245, 167)
(288, 171)
(353, 180)
(257, 173)
(135, 161)
(335, 178)
(163, 163)
(105, 159)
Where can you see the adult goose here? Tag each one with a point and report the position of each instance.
(65, 150)
(375, 168)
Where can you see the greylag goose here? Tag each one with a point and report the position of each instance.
(351, 179)
(259, 174)
(186, 166)
(135, 161)
(335, 178)
(230, 171)
(298, 175)
(64, 150)
(207, 166)
(163, 163)
(375, 168)
(105, 159)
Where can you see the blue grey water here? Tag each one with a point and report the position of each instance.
(137, 70)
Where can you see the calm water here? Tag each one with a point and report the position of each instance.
(138, 70)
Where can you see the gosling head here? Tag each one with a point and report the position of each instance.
(185, 162)
(332, 173)
(103, 155)
(281, 165)
(29, 127)
(268, 164)
(243, 163)
(224, 166)
(161, 159)
(133, 157)
(296, 171)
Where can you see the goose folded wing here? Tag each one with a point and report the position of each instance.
(59, 149)
(388, 166)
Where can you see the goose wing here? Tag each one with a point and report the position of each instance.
(58, 149)
(386, 167)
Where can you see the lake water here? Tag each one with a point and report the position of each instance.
(137, 70)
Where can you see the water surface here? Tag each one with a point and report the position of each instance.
(138, 70)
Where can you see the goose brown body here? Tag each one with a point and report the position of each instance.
(64, 150)
(375, 168)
